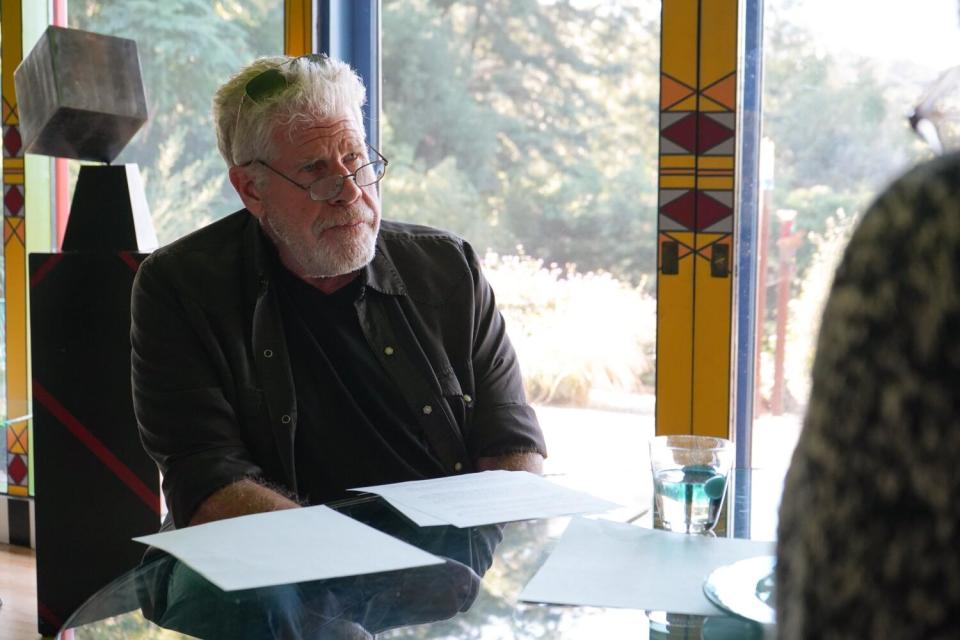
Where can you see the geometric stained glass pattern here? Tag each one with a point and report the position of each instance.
(12, 141)
(17, 469)
(13, 200)
(18, 459)
(17, 451)
(17, 442)
(698, 116)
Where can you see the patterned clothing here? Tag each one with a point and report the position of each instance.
(869, 538)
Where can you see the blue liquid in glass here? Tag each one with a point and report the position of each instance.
(689, 499)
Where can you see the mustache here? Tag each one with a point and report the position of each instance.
(350, 215)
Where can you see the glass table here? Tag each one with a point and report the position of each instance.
(474, 594)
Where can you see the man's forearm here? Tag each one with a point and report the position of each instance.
(530, 461)
(239, 499)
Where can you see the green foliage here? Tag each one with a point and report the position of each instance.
(542, 119)
(539, 113)
(187, 48)
(531, 128)
(838, 123)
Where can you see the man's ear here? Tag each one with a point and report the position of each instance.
(247, 189)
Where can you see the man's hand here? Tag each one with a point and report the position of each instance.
(531, 461)
(239, 499)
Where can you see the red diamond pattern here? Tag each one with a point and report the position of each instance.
(682, 210)
(683, 132)
(697, 133)
(12, 141)
(712, 133)
(13, 201)
(696, 211)
(17, 469)
(710, 212)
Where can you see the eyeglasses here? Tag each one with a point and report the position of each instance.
(270, 82)
(329, 187)
(936, 119)
(267, 83)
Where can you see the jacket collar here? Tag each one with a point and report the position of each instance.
(381, 274)
(257, 259)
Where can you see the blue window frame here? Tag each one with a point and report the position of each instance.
(349, 30)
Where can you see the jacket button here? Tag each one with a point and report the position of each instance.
(457, 467)
(285, 419)
(267, 353)
(427, 409)
(388, 351)
(467, 398)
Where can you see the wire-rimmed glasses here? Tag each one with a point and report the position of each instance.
(329, 187)
(270, 82)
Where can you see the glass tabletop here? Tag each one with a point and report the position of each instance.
(474, 594)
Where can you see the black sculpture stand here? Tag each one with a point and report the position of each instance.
(95, 486)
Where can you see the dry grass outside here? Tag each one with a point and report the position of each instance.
(576, 333)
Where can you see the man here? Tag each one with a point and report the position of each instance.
(296, 349)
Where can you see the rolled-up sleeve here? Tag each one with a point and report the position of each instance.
(187, 425)
(503, 422)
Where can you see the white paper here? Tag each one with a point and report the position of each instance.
(419, 518)
(281, 547)
(490, 497)
(609, 564)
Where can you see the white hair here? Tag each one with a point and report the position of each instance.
(316, 87)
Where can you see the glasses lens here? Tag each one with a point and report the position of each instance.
(326, 188)
(370, 174)
(265, 85)
(331, 186)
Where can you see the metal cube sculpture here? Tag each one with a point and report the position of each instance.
(80, 95)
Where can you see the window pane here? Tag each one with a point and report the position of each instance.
(840, 79)
(530, 128)
(187, 48)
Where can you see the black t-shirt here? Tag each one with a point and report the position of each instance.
(354, 428)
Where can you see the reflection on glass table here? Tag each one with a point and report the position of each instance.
(474, 594)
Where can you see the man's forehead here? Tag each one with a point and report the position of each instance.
(341, 130)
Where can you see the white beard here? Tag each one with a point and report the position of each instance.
(326, 255)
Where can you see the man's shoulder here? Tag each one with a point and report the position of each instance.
(430, 261)
(211, 257)
(222, 234)
(407, 241)
(410, 233)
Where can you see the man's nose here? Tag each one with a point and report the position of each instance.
(349, 193)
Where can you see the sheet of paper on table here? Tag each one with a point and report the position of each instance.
(280, 547)
(609, 564)
(489, 497)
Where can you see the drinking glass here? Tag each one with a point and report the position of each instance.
(690, 480)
